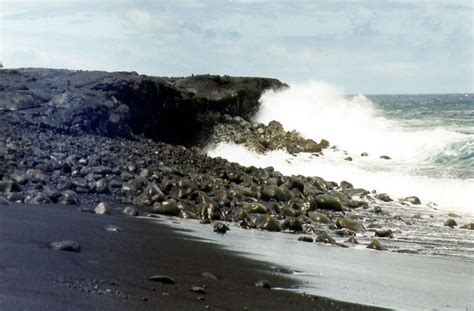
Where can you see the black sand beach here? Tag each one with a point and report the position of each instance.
(111, 271)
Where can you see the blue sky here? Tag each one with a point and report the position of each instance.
(361, 46)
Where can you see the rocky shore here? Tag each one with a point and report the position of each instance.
(78, 137)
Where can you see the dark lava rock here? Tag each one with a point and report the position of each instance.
(450, 223)
(325, 238)
(351, 224)
(384, 233)
(468, 226)
(70, 246)
(274, 192)
(268, 222)
(121, 103)
(377, 210)
(306, 239)
(130, 211)
(319, 217)
(375, 244)
(68, 197)
(167, 207)
(344, 232)
(37, 197)
(292, 224)
(221, 228)
(164, 279)
(256, 208)
(103, 208)
(198, 289)
(412, 200)
(263, 284)
(352, 240)
(384, 197)
(9, 186)
(325, 201)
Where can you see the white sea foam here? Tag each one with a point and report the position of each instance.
(318, 110)
(448, 194)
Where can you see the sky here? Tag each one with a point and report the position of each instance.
(363, 46)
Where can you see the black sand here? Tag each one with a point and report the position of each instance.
(111, 271)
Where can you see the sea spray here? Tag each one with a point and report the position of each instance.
(429, 157)
(319, 110)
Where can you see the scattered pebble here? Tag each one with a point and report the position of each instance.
(164, 279)
(112, 228)
(67, 245)
(263, 284)
(198, 289)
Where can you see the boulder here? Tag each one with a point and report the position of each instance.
(450, 223)
(103, 208)
(351, 224)
(328, 202)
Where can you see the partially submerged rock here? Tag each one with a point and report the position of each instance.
(384, 233)
(325, 238)
(412, 200)
(450, 223)
(351, 224)
(376, 245)
(468, 226)
(221, 228)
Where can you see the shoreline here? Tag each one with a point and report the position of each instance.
(369, 277)
(108, 274)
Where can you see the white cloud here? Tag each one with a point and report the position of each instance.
(142, 19)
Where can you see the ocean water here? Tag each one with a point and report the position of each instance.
(429, 138)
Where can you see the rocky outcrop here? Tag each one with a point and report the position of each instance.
(258, 137)
(123, 104)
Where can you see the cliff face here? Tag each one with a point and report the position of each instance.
(125, 104)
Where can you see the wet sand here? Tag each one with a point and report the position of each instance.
(111, 270)
(358, 275)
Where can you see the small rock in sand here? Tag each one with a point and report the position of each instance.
(198, 289)
(112, 228)
(67, 245)
(164, 279)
